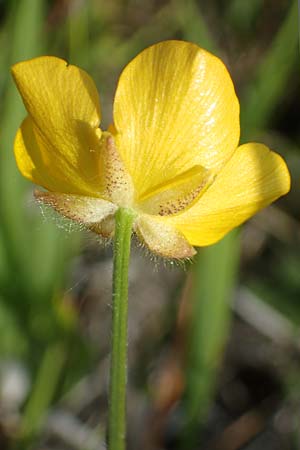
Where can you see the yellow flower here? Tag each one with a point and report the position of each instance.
(171, 155)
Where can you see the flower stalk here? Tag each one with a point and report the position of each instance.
(118, 371)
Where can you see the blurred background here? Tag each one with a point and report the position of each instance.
(214, 347)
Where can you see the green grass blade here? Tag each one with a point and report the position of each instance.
(272, 76)
(46, 383)
(214, 280)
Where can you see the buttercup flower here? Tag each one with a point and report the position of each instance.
(171, 155)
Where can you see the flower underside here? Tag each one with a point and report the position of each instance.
(117, 190)
(171, 156)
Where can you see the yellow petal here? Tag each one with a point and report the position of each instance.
(253, 178)
(87, 211)
(63, 105)
(162, 239)
(30, 160)
(178, 194)
(175, 107)
(36, 161)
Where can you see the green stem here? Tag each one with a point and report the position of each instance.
(118, 375)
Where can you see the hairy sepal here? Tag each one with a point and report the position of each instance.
(88, 211)
(163, 239)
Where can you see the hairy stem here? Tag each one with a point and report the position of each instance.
(118, 370)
